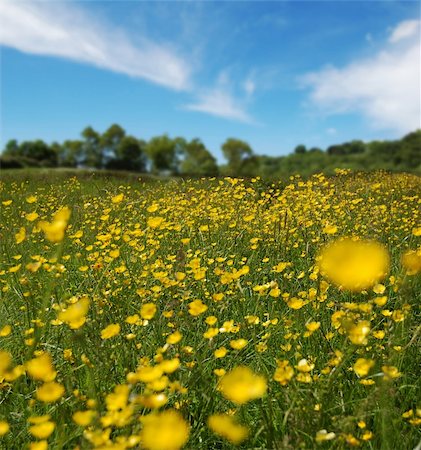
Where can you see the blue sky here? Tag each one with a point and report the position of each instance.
(275, 74)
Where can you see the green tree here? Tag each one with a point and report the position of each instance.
(70, 153)
(110, 141)
(163, 153)
(197, 159)
(300, 149)
(129, 155)
(92, 149)
(235, 152)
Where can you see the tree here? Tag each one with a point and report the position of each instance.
(163, 154)
(70, 153)
(91, 149)
(110, 141)
(300, 149)
(129, 155)
(197, 159)
(235, 152)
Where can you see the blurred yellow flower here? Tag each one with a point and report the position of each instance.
(411, 261)
(226, 426)
(83, 418)
(4, 427)
(117, 198)
(241, 385)
(41, 368)
(164, 431)
(283, 373)
(362, 366)
(42, 430)
(354, 265)
(75, 314)
(155, 222)
(50, 392)
(148, 310)
(54, 231)
(110, 331)
(20, 235)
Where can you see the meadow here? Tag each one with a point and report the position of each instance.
(210, 313)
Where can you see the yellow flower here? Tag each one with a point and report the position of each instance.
(164, 431)
(5, 331)
(115, 253)
(148, 310)
(155, 222)
(296, 303)
(390, 372)
(411, 261)
(118, 399)
(50, 392)
(54, 231)
(4, 427)
(242, 385)
(354, 265)
(147, 374)
(117, 198)
(42, 430)
(362, 366)
(75, 314)
(41, 368)
(153, 401)
(30, 217)
(323, 435)
(31, 199)
(220, 352)
(330, 229)
(357, 333)
(170, 365)
(238, 344)
(304, 366)
(20, 235)
(39, 445)
(283, 373)
(110, 331)
(416, 231)
(197, 307)
(225, 426)
(174, 338)
(83, 418)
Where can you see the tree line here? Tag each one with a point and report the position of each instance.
(116, 150)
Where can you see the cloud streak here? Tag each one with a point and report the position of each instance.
(70, 32)
(385, 88)
(220, 103)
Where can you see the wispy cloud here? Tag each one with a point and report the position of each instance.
(405, 30)
(65, 30)
(220, 101)
(384, 88)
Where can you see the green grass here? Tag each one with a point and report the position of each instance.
(229, 224)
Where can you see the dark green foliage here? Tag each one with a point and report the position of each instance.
(163, 155)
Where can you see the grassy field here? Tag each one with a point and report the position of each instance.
(210, 314)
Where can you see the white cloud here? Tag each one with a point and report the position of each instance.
(249, 86)
(68, 31)
(384, 88)
(220, 103)
(405, 30)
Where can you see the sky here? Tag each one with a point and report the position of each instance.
(273, 73)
